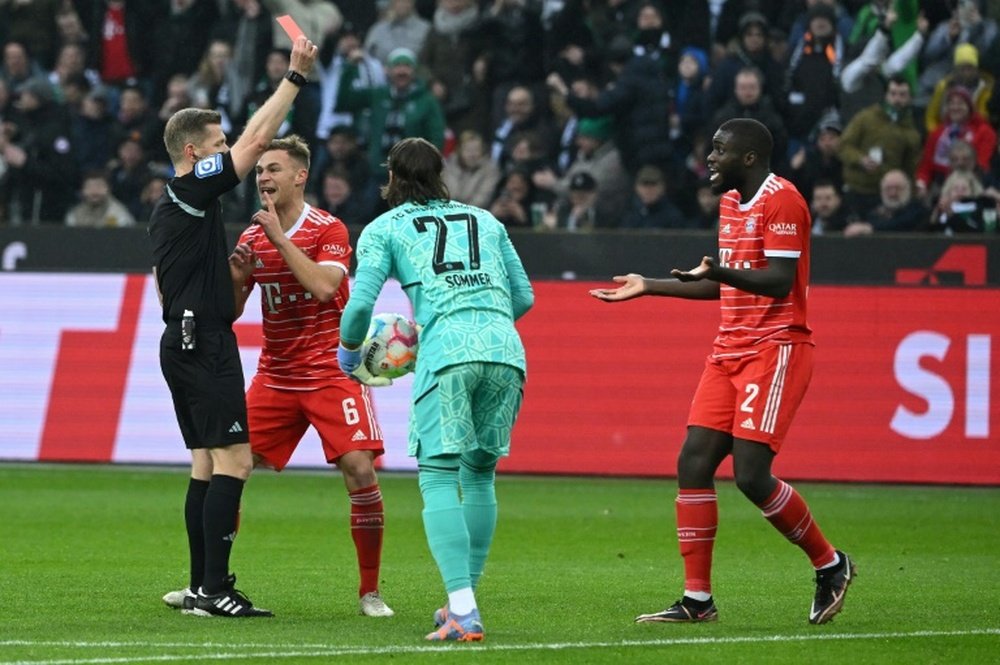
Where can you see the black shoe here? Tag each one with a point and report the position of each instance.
(831, 587)
(227, 603)
(685, 610)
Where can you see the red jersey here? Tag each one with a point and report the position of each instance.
(774, 223)
(301, 334)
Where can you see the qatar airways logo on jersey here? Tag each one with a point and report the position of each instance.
(334, 248)
(783, 228)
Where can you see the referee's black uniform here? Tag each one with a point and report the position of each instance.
(190, 253)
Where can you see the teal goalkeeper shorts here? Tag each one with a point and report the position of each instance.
(473, 406)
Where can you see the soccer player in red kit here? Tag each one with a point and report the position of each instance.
(299, 256)
(758, 371)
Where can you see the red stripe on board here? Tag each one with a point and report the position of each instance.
(93, 405)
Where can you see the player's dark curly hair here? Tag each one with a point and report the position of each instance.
(416, 167)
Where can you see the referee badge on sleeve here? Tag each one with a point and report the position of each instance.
(209, 166)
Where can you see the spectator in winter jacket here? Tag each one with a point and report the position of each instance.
(401, 27)
(32, 22)
(961, 122)
(819, 160)
(639, 100)
(91, 126)
(339, 199)
(967, 74)
(137, 120)
(598, 156)
(522, 114)
(688, 114)
(751, 51)
(813, 71)
(340, 51)
(512, 35)
(404, 107)
(341, 152)
(828, 212)
(128, 175)
(843, 19)
(651, 207)
(18, 67)
(962, 205)
(572, 41)
(98, 208)
(897, 210)
(967, 25)
(749, 101)
(469, 173)
(878, 139)
(42, 172)
(449, 50)
(577, 211)
(512, 204)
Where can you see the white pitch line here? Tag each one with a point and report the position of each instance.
(326, 651)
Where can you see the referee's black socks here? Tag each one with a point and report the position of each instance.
(222, 507)
(194, 521)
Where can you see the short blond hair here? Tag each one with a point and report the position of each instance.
(295, 146)
(187, 126)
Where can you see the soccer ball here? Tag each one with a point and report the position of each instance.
(390, 348)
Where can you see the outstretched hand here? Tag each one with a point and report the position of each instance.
(703, 271)
(631, 286)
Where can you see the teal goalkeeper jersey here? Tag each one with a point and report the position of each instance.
(460, 271)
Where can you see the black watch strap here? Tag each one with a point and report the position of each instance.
(295, 77)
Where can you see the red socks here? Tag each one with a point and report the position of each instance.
(697, 521)
(366, 530)
(790, 515)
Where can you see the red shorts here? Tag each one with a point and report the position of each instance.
(754, 397)
(341, 411)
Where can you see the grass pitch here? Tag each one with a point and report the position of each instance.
(86, 553)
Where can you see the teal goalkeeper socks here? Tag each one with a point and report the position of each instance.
(479, 507)
(444, 524)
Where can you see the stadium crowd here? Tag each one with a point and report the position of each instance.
(554, 114)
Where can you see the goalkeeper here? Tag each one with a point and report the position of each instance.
(467, 286)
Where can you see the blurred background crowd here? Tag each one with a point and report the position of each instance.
(553, 114)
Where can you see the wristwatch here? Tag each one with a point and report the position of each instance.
(295, 77)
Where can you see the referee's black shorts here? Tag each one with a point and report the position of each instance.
(207, 387)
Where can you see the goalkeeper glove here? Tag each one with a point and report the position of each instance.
(350, 363)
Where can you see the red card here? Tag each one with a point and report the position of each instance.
(290, 27)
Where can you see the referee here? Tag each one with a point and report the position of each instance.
(198, 353)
